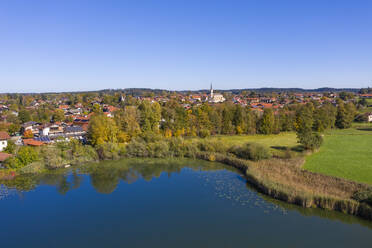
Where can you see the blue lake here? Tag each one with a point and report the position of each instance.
(162, 203)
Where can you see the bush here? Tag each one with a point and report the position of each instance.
(204, 133)
(179, 148)
(110, 151)
(34, 167)
(363, 196)
(82, 153)
(159, 149)
(52, 157)
(176, 147)
(191, 149)
(10, 148)
(310, 140)
(151, 137)
(13, 163)
(251, 151)
(212, 146)
(137, 148)
(211, 157)
(27, 155)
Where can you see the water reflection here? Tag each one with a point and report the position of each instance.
(106, 176)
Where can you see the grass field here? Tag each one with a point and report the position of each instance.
(345, 153)
(287, 139)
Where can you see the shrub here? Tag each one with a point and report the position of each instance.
(137, 148)
(151, 137)
(177, 147)
(212, 146)
(10, 148)
(203, 133)
(363, 196)
(252, 151)
(310, 140)
(159, 149)
(52, 157)
(27, 155)
(110, 150)
(13, 163)
(211, 157)
(34, 167)
(83, 153)
(191, 149)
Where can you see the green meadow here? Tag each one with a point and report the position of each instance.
(285, 139)
(345, 153)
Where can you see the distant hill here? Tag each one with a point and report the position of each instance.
(141, 91)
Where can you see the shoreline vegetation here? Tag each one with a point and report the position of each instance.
(277, 173)
(149, 129)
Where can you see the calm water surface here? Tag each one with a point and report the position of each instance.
(162, 203)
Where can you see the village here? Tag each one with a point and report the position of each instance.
(69, 119)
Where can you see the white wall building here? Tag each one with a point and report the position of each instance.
(215, 98)
(369, 118)
(4, 136)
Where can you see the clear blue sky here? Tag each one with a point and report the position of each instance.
(89, 45)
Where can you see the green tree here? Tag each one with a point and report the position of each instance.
(227, 121)
(14, 128)
(10, 148)
(266, 124)
(58, 115)
(128, 121)
(324, 117)
(97, 108)
(150, 116)
(102, 129)
(24, 116)
(304, 123)
(345, 115)
(25, 156)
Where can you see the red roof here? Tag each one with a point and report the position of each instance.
(112, 108)
(31, 142)
(4, 156)
(4, 135)
(63, 106)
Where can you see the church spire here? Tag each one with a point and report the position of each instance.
(211, 91)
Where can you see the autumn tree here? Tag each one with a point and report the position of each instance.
(58, 115)
(150, 116)
(102, 129)
(128, 121)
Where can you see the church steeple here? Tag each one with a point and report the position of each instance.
(211, 91)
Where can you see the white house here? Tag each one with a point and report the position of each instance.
(369, 117)
(4, 137)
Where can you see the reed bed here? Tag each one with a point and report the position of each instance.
(285, 180)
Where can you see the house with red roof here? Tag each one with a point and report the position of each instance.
(4, 137)
(32, 142)
(4, 156)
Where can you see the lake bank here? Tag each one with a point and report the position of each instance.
(285, 180)
(280, 176)
(165, 203)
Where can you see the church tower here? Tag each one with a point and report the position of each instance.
(211, 91)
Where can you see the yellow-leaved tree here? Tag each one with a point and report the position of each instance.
(102, 129)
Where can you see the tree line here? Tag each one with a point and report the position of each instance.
(171, 119)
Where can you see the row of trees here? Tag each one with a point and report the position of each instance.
(171, 119)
